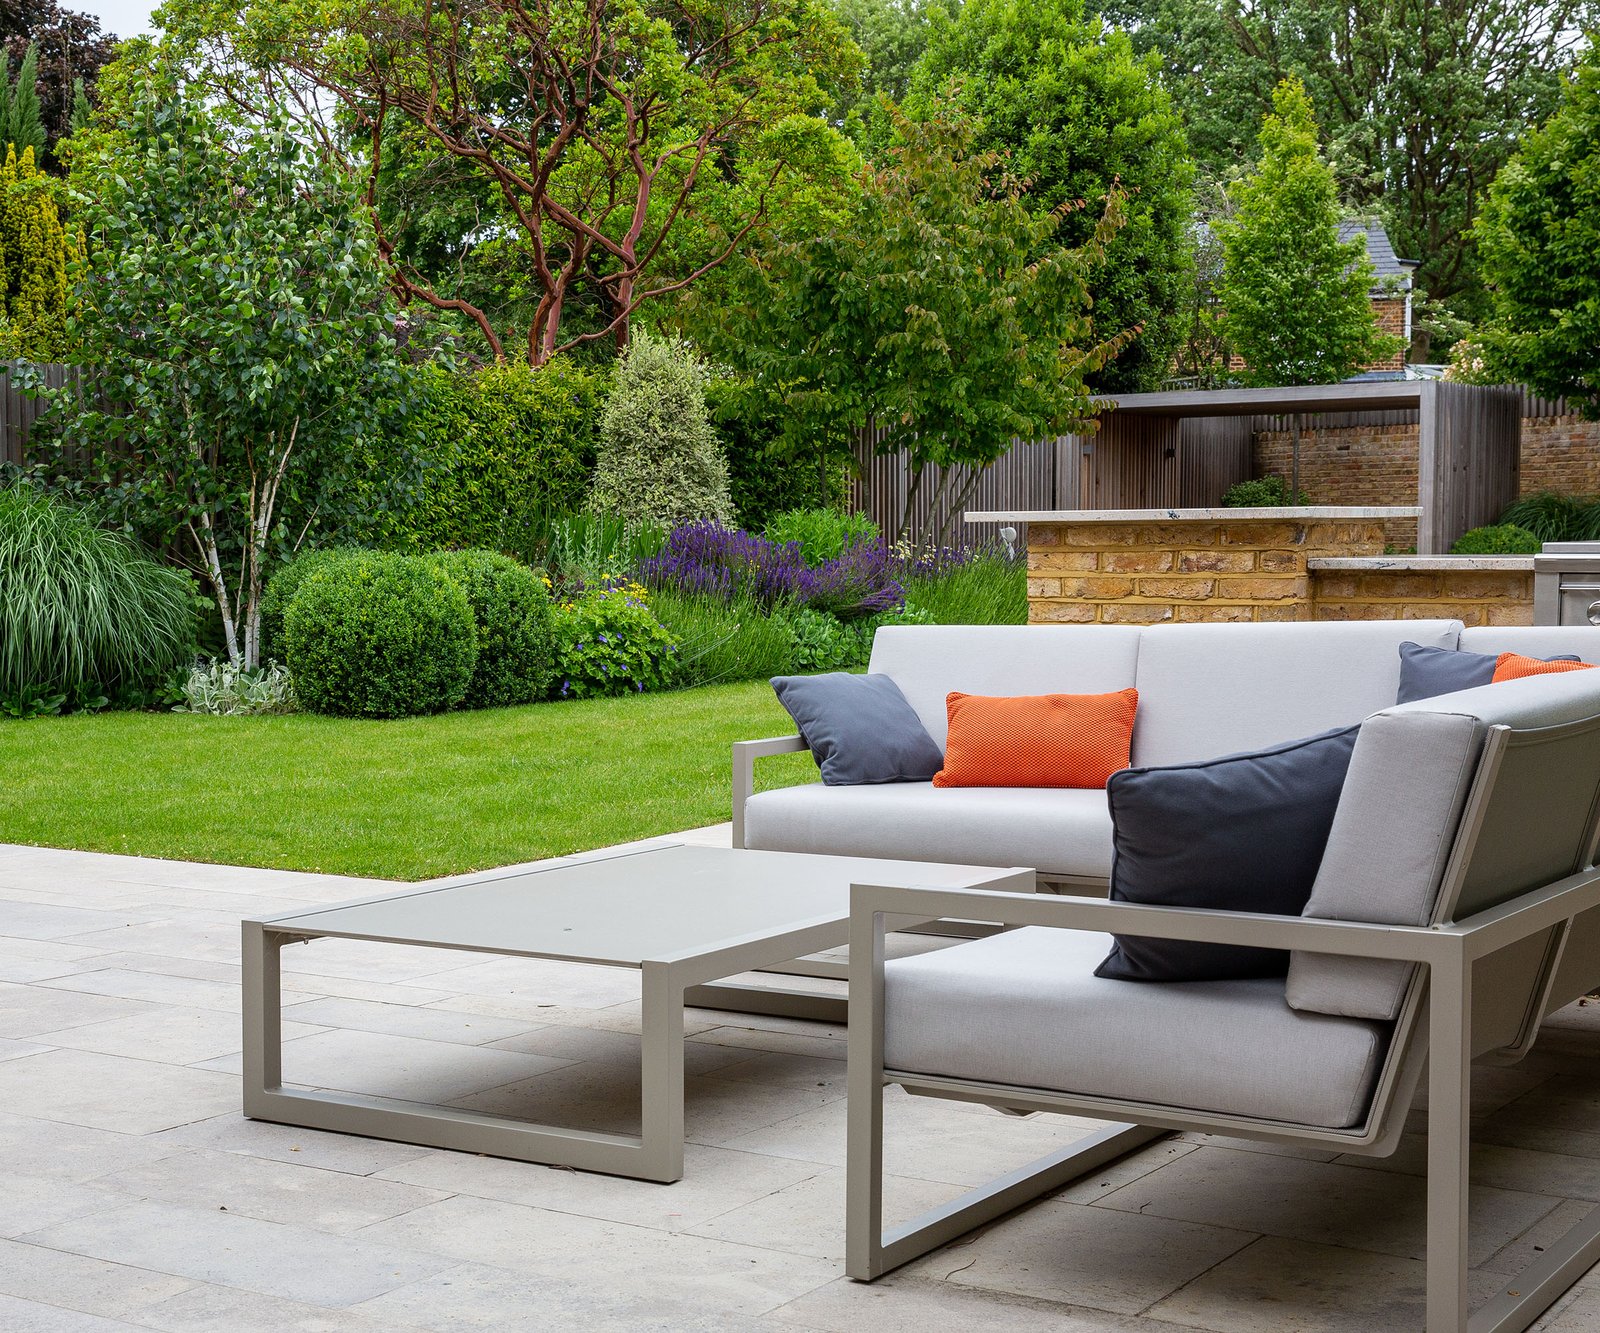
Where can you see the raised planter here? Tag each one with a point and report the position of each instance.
(1143, 566)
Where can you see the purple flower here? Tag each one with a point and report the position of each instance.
(711, 560)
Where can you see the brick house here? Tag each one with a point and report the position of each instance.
(1390, 295)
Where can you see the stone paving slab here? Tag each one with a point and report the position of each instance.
(137, 1196)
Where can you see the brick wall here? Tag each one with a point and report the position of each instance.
(1391, 314)
(1377, 465)
(1143, 572)
(1349, 465)
(1473, 596)
(1560, 454)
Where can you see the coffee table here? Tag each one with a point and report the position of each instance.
(684, 917)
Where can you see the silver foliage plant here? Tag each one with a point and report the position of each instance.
(225, 690)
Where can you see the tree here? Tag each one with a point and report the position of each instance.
(35, 252)
(1076, 113)
(71, 47)
(659, 454)
(595, 134)
(937, 308)
(892, 35)
(20, 123)
(232, 306)
(1421, 102)
(1296, 303)
(1540, 237)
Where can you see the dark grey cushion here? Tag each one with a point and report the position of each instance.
(1426, 673)
(1242, 833)
(860, 728)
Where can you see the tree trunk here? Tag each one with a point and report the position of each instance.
(205, 539)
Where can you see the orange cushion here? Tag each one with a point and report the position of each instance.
(1514, 666)
(1045, 740)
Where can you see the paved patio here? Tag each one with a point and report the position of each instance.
(137, 1197)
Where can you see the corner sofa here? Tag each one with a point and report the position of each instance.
(1204, 690)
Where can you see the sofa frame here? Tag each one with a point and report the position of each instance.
(1477, 973)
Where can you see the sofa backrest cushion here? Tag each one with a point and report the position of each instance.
(1396, 824)
(1386, 853)
(928, 662)
(1581, 641)
(1208, 690)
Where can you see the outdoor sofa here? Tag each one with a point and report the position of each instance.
(1204, 690)
(1454, 905)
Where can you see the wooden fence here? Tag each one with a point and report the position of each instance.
(19, 410)
(1140, 465)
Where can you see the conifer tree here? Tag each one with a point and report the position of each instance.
(34, 254)
(24, 125)
(1296, 300)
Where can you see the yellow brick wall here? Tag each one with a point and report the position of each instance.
(1144, 572)
(1147, 572)
(1473, 596)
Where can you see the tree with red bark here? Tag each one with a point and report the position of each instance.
(606, 152)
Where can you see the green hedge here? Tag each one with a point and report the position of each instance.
(498, 447)
(760, 482)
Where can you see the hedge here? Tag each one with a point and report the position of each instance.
(499, 446)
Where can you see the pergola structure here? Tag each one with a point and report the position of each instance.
(1183, 449)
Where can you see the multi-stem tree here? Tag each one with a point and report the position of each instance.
(936, 308)
(614, 150)
(232, 308)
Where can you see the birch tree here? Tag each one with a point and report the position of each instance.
(231, 307)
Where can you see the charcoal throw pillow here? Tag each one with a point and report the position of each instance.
(860, 728)
(1243, 833)
(1426, 673)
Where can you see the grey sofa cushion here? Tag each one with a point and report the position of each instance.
(860, 728)
(1582, 641)
(1024, 1008)
(1206, 690)
(1402, 800)
(1240, 833)
(1426, 673)
(1058, 831)
(1387, 851)
(927, 662)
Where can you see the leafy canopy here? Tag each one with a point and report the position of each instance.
(939, 309)
(1076, 113)
(1540, 237)
(1295, 298)
(231, 304)
(576, 160)
(1421, 102)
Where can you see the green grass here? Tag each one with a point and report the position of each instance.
(409, 799)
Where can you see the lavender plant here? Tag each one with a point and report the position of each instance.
(708, 559)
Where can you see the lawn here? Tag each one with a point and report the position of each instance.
(409, 799)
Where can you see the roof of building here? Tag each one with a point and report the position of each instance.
(1379, 250)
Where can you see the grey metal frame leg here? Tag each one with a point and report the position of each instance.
(1449, 1089)
(869, 1250)
(655, 1153)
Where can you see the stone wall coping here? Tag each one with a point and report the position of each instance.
(1310, 512)
(1424, 564)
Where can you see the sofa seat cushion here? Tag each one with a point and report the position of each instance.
(1024, 1008)
(1060, 831)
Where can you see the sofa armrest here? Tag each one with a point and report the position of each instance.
(745, 754)
(870, 904)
